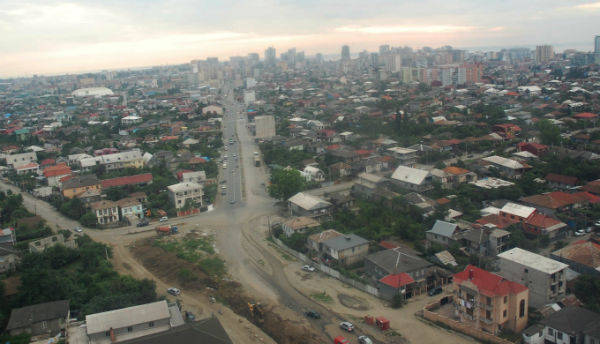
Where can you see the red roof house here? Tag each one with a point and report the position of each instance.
(137, 179)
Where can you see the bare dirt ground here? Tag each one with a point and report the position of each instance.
(165, 266)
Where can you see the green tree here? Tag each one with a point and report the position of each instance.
(549, 133)
(586, 290)
(88, 219)
(285, 183)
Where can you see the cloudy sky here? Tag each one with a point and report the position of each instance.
(52, 36)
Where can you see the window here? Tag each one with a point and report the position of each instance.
(504, 314)
(129, 329)
(558, 335)
(506, 299)
(488, 301)
(522, 309)
(526, 270)
(107, 333)
(151, 324)
(488, 314)
(44, 325)
(550, 331)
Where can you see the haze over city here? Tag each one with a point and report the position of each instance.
(51, 37)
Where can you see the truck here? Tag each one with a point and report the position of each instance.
(256, 161)
(166, 230)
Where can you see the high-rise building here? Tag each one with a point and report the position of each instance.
(345, 53)
(270, 56)
(384, 49)
(597, 44)
(543, 53)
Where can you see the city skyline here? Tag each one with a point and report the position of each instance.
(56, 37)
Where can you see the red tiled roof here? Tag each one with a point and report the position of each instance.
(442, 201)
(195, 160)
(397, 280)
(363, 151)
(387, 245)
(456, 170)
(48, 162)
(540, 220)
(497, 220)
(128, 180)
(593, 187)
(169, 138)
(58, 170)
(591, 198)
(27, 166)
(332, 147)
(487, 282)
(586, 115)
(559, 178)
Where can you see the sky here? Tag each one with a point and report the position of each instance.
(55, 36)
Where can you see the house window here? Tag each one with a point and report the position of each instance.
(526, 270)
(488, 314)
(151, 324)
(107, 333)
(129, 329)
(505, 299)
(489, 301)
(558, 335)
(44, 325)
(522, 309)
(550, 331)
(504, 314)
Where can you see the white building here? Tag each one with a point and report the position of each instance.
(265, 127)
(115, 161)
(412, 178)
(20, 159)
(180, 193)
(545, 277)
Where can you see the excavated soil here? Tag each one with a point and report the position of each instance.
(166, 265)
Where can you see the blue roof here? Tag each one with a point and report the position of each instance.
(443, 228)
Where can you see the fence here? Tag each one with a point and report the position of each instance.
(329, 271)
(465, 328)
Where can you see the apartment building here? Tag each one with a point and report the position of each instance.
(545, 277)
(106, 212)
(490, 303)
(115, 161)
(180, 193)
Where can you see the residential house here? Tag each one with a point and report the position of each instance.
(106, 212)
(486, 240)
(9, 257)
(507, 167)
(388, 266)
(314, 241)
(14, 160)
(570, 325)
(555, 202)
(488, 302)
(404, 156)
(533, 148)
(181, 193)
(582, 256)
(592, 187)
(53, 174)
(545, 277)
(507, 130)
(75, 186)
(340, 170)
(198, 177)
(115, 161)
(124, 324)
(130, 207)
(206, 331)
(298, 225)
(367, 185)
(313, 174)
(138, 179)
(32, 168)
(212, 110)
(457, 176)
(559, 181)
(347, 249)
(443, 233)
(304, 204)
(413, 179)
(43, 319)
(40, 245)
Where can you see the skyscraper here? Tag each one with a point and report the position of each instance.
(543, 53)
(345, 53)
(270, 56)
(597, 44)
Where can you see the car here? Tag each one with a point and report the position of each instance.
(434, 291)
(340, 340)
(364, 340)
(142, 223)
(588, 230)
(190, 316)
(597, 224)
(78, 229)
(579, 232)
(223, 187)
(345, 325)
(234, 155)
(173, 291)
(308, 268)
(313, 314)
(163, 219)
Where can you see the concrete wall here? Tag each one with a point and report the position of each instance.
(123, 334)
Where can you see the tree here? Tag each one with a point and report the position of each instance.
(285, 183)
(549, 133)
(586, 289)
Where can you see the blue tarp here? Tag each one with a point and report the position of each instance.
(7, 115)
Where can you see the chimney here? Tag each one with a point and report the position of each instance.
(471, 274)
(113, 338)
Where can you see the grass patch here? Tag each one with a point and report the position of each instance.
(323, 297)
(197, 251)
(213, 266)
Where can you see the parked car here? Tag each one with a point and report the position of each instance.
(78, 229)
(313, 314)
(164, 218)
(597, 224)
(579, 232)
(190, 316)
(174, 291)
(345, 325)
(142, 223)
(340, 340)
(364, 340)
(434, 291)
(588, 230)
(308, 268)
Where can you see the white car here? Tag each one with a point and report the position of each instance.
(345, 325)
(364, 340)
(78, 229)
(308, 268)
(164, 219)
(579, 232)
(174, 291)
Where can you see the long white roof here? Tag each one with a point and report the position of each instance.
(508, 163)
(307, 201)
(533, 260)
(125, 317)
(518, 209)
(410, 175)
(92, 91)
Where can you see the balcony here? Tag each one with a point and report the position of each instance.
(486, 306)
(486, 320)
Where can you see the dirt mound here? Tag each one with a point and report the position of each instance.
(167, 266)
